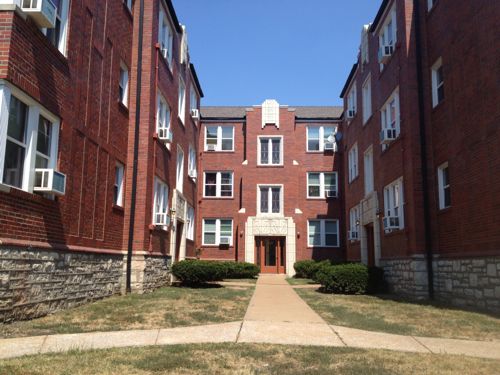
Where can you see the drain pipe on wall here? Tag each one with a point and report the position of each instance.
(423, 150)
(136, 148)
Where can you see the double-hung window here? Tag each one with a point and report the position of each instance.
(192, 163)
(219, 138)
(354, 223)
(352, 102)
(193, 99)
(444, 186)
(165, 37)
(160, 207)
(319, 136)
(15, 149)
(270, 200)
(437, 83)
(322, 185)
(353, 162)
(123, 85)
(218, 232)
(393, 204)
(368, 169)
(58, 34)
(162, 118)
(118, 186)
(323, 233)
(182, 101)
(390, 119)
(387, 37)
(180, 169)
(270, 151)
(367, 99)
(218, 185)
(190, 223)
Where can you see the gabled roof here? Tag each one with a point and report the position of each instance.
(306, 112)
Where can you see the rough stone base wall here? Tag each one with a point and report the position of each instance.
(468, 282)
(35, 282)
(406, 277)
(150, 272)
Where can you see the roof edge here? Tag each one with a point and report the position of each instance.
(171, 10)
(379, 15)
(196, 81)
(349, 79)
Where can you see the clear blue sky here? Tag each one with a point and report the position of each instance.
(299, 52)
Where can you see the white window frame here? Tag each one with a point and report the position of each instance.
(182, 101)
(218, 146)
(35, 110)
(355, 220)
(322, 190)
(386, 120)
(352, 102)
(165, 36)
(193, 98)
(270, 150)
(190, 223)
(269, 192)
(63, 32)
(217, 231)
(163, 114)
(368, 171)
(192, 160)
(365, 52)
(160, 202)
(321, 136)
(118, 185)
(394, 201)
(124, 83)
(442, 186)
(435, 84)
(218, 184)
(323, 233)
(388, 36)
(353, 163)
(179, 170)
(367, 99)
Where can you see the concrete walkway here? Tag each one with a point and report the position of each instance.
(276, 315)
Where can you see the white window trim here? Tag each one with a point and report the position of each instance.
(192, 162)
(162, 194)
(282, 195)
(179, 176)
(323, 233)
(270, 138)
(218, 185)
(218, 147)
(385, 124)
(124, 85)
(190, 227)
(441, 185)
(167, 52)
(165, 115)
(35, 110)
(352, 101)
(355, 220)
(367, 102)
(365, 50)
(369, 177)
(182, 101)
(321, 136)
(119, 184)
(438, 64)
(193, 98)
(217, 231)
(128, 3)
(390, 16)
(63, 37)
(322, 191)
(353, 160)
(389, 198)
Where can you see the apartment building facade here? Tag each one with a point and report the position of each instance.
(98, 134)
(421, 123)
(270, 190)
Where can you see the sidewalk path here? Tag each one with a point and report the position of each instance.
(276, 315)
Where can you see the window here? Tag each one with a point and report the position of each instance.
(28, 139)
(57, 35)
(118, 187)
(321, 185)
(367, 100)
(323, 233)
(180, 169)
(192, 162)
(270, 200)
(437, 83)
(218, 184)
(193, 98)
(160, 207)
(390, 115)
(190, 223)
(393, 203)
(182, 100)
(388, 34)
(123, 85)
(351, 102)
(218, 232)
(129, 4)
(430, 4)
(368, 171)
(365, 55)
(353, 162)
(444, 187)
(317, 137)
(270, 151)
(219, 138)
(354, 222)
(162, 117)
(165, 38)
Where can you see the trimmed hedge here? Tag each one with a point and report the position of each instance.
(203, 271)
(306, 269)
(344, 278)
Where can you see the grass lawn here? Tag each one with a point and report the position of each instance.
(166, 307)
(377, 314)
(294, 281)
(245, 359)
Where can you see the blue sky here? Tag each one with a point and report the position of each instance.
(299, 52)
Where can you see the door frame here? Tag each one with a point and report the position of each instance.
(260, 250)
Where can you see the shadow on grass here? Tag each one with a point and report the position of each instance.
(197, 285)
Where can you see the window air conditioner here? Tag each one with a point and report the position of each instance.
(385, 52)
(43, 12)
(224, 241)
(165, 135)
(391, 222)
(353, 235)
(387, 135)
(162, 219)
(195, 114)
(49, 181)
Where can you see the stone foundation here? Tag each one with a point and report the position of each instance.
(407, 277)
(149, 272)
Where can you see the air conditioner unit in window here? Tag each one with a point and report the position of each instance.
(330, 146)
(195, 114)
(384, 53)
(193, 174)
(224, 241)
(165, 135)
(353, 235)
(162, 219)
(391, 222)
(43, 12)
(351, 113)
(49, 181)
(387, 135)
(211, 147)
(331, 193)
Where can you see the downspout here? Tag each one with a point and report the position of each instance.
(136, 148)
(423, 151)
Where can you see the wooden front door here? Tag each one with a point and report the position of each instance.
(270, 254)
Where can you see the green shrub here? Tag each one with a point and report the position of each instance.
(202, 271)
(241, 270)
(306, 269)
(344, 278)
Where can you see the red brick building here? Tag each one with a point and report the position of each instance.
(421, 140)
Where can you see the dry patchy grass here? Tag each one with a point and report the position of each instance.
(166, 307)
(246, 359)
(299, 281)
(385, 315)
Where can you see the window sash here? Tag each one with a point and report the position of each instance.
(218, 184)
(323, 233)
(215, 229)
(182, 100)
(320, 182)
(271, 151)
(353, 163)
(367, 100)
(393, 201)
(160, 198)
(220, 136)
(444, 187)
(163, 115)
(118, 186)
(180, 169)
(190, 223)
(270, 199)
